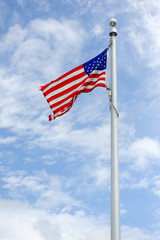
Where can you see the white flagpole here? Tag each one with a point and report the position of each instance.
(115, 199)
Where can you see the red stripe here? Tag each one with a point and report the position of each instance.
(50, 117)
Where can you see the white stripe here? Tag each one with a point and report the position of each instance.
(63, 79)
(98, 71)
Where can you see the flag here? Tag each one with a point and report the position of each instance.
(62, 92)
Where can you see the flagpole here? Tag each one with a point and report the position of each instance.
(115, 199)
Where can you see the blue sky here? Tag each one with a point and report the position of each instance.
(55, 176)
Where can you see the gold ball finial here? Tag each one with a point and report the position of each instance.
(113, 22)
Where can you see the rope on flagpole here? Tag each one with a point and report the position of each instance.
(114, 109)
(111, 104)
(110, 43)
(109, 88)
(109, 66)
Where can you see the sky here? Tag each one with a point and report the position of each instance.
(55, 176)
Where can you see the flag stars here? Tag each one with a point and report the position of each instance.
(97, 63)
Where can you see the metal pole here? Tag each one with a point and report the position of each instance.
(115, 199)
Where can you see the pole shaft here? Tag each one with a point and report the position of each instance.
(115, 199)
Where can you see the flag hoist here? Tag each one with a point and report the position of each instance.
(115, 199)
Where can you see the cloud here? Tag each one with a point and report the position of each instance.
(40, 46)
(16, 217)
(38, 6)
(136, 233)
(7, 140)
(34, 55)
(47, 191)
(131, 182)
(146, 152)
(25, 222)
(98, 29)
(147, 20)
(142, 153)
(92, 179)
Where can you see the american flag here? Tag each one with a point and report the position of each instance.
(62, 92)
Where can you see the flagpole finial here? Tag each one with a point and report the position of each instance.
(113, 22)
(113, 30)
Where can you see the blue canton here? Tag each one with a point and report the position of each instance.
(96, 63)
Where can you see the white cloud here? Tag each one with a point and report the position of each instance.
(143, 32)
(7, 140)
(48, 160)
(11, 40)
(97, 30)
(51, 190)
(17, 217)
(37, 51)
(94, 139)
(39, 6)
(131, 182)
(40, 46)
(25, 222)
(142, 153)
(96, 175)
(130, 233)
